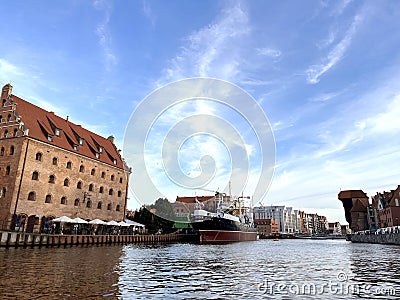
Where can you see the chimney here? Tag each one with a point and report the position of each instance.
(6, 91)
(111, 139)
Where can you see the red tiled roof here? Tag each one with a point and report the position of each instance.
(193, 199)
(42, 123)
(352, 194)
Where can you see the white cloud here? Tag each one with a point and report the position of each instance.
(314, 72)
(269, 52)
(148, 12)
(213, 50)
(104, 35)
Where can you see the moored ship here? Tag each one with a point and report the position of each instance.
(229, 221)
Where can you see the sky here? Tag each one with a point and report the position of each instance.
(325, 73)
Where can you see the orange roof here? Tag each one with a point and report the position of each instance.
(193, 199)
(42, 124)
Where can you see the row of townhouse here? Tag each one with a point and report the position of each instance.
(382, 212)
(292, 221)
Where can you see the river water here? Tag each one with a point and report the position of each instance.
(264, 269)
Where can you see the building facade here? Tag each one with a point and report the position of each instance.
(355, 204)
(266, 227)
(288, 218)
(51, 167)
(386, 208)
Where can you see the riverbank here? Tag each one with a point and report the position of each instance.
(388, 238)
(18, 239)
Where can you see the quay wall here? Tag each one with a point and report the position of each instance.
(16, 239)
(392, 238)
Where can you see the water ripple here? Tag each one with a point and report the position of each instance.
(288, 269)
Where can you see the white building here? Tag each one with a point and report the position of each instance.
(287, 217)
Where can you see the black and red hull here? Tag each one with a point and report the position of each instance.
(223, 236)
(222, 230)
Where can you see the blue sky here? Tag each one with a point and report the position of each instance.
(325, 73)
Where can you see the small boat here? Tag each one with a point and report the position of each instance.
(276, 239)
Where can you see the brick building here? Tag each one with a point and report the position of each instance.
(267, 227)
(51, 167)
(355, 204)
(386, 207)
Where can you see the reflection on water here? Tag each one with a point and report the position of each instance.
(59, 273)
(263, 269)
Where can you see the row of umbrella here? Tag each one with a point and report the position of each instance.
(66, 219)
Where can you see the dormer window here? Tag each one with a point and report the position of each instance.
(115, 161)
(97, 155)
(81, 141)
(101, 149)
(49, 137)
(57, 132)
(75, 147)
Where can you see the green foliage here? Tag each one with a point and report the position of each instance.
(162, 219)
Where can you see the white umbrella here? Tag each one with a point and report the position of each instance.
(122, 223)
(78, 221)
(97, 221)
(62, 219)
(112, 223)
(133, 223)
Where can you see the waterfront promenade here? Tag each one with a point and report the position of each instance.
(21, 239)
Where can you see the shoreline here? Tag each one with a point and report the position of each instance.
(16, 239)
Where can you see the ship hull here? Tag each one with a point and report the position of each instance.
(221, 230)
(225, 236)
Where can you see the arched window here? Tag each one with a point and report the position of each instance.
(111, 192)
(112, 177)
(109, 206)
(79, 185)
(32, 196)
(12, 149)
(119, 193)
(92, 172)
(38, 156)
(81, 169)
(3, 192)
(101, 190)
(91, 187)
(48, 199)
(76, 202)
(1, 118)
(4, 103)
(55, 161)
(64, 200)
(118, 208)
(69, 165)
(15, 132)
(99, 205)
(103, 174)
(9, 118)
(6, 134)
(66, 182)
(35, 176)
(120, 180)
(8, 170)
(2, 151)
(52, 179)
(89, 204)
